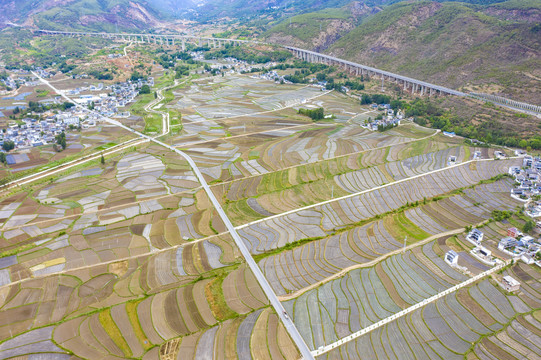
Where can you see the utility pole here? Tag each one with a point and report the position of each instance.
(332, 191)
(405, 239)
(382, 83)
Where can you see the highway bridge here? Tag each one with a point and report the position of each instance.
(415, 86)
(161, 39)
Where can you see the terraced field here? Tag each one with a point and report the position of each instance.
(317, 220)
(130, 259)
(292, 270)
(458, 324)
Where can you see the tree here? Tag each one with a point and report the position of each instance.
(135, 76)
(91, 106)
(315, 114)
(528, 226)
(3, 158)
(145, 89)
(8, 145)
(61, 140)
(102, 160)
(366, 99)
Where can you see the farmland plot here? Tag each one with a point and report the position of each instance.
(137, 203)
(313, 174)
(258, 335)
(316, 222)
(132, 328)
(133, 230)
(129, 259)
(448, 327)
(520, 340)
(444, 180)
(365, 296)
(38, 302)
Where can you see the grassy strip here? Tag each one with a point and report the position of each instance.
(289, 246)
(533, 312)
(17, 250)
(216, 300)
(131, 310)
(153, 122)
(106, 320)
(400, 227)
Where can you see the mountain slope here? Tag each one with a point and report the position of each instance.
(488, 48)
(454, 45)
(318, 30)
(212, 9)
(104, 15)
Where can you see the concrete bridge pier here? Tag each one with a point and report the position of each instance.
(183, 44)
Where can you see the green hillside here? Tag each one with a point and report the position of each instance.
(453, 44)
(318, 30)
(98, 15)
(491, 48)
(307, 26)
(103, 15)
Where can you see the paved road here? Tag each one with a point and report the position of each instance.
(287, 321)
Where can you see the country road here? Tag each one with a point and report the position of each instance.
(275, 302)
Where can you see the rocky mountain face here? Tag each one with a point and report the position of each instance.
(79, 14)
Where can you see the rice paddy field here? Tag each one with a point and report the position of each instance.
(130, 259)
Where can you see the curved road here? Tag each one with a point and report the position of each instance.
(276, 304)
